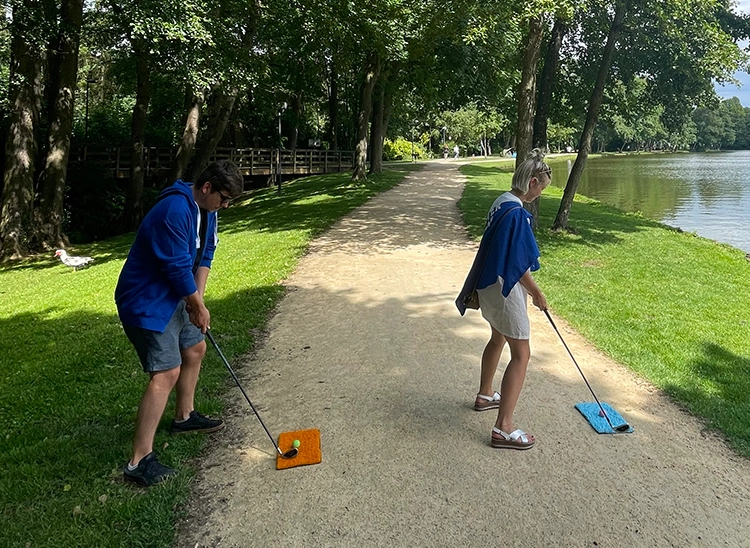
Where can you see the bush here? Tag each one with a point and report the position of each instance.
(400, 149)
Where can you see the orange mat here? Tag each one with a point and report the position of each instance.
(309, 448)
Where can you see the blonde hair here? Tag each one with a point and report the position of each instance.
(530, 167)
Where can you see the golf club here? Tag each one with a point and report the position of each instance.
(289, 454)
(619, 428)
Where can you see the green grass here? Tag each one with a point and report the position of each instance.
(70, 382)
(670, 305)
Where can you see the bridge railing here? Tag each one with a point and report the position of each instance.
(250, 161)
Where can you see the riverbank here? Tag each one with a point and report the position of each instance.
(670, 305)
(705, 193)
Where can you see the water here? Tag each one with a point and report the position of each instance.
(705, 193)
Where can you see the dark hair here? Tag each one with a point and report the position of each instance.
(223, 175)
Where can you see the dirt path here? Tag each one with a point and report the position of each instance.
(368, 347)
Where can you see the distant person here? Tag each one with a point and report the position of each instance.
(456, 151)
(501, 274)
(445, 152)
(159, 298)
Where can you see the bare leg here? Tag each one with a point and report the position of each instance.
(150, 411)
(188, 379)
(490, 360)
(513, 379)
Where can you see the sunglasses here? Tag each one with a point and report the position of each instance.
(224, 198)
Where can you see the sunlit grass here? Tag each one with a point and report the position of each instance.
(70, 382)
(670, 305)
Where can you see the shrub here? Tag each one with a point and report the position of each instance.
(400, 149)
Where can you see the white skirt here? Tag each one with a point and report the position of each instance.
(508, 315)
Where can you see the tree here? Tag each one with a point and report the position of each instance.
(474, 127)
(678, 48)
(584, 144)
(63, 76)
(31, 30)
(547, 81)
(370, 76)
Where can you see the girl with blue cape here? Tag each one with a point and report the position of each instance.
(501, 276)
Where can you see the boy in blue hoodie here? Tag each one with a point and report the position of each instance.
(159, 298)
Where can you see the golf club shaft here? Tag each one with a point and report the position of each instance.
(237, 381)
(604, 413)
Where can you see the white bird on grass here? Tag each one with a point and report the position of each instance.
(74, 262)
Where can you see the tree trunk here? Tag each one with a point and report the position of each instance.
(194, 103)
(218, 118)
(372, 71)
(24, 97)
(376, 134)
(527, 89)
(296, 117)
(49, 215)
(547, 84)
(333, 108)
(387, 111)
(527, 99)
(584, 145)
(134, 196)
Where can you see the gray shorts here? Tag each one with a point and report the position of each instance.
(161, 351)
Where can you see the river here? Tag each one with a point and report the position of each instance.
(705, 193)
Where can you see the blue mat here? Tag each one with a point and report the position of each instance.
(590, 411)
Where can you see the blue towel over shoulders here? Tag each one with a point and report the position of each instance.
(508, 249)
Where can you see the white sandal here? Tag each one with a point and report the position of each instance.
(483, 403)
(518, 439)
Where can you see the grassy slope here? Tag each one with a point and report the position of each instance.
(670, 305)
(70, 382)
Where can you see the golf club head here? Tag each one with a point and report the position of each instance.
(290, 454)
(622, 427)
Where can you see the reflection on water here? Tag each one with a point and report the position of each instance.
(705, 193)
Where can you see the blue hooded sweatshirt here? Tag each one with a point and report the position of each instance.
(508, 249)
(159, 270)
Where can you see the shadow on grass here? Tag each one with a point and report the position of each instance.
(112, 249)
(719, 392)
(310, 203)
(70, 385)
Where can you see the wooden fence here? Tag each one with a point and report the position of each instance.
(158, 161)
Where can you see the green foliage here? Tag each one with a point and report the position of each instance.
(631, 121)
(108, 122)
(70, 382)
(469, 124)
(667, 304)
(401, 149)
(560, 136)
(721, 126)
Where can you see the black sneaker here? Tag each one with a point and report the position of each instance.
(197, 423)
(148, 472)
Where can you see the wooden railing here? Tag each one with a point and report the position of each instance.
(251, 161)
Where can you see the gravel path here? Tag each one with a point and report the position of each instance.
(368, 347)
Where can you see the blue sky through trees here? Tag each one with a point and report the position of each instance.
(743, 90)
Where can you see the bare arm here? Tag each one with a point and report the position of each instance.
(197, 311)
(537, 297)
(201, 277)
